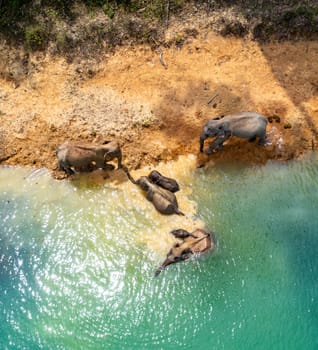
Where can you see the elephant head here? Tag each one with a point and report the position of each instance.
(144, 183)
(214, 128)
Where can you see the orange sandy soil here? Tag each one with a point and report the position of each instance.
(157, 112)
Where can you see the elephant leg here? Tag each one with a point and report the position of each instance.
(100, 163)
(252, 139)
(262, 141)
(216, 144)
(66, 168)
(69, 171)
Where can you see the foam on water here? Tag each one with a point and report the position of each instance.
(77, 260)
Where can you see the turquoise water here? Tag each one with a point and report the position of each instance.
(77, 262)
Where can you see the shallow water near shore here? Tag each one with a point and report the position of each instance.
(77, 260)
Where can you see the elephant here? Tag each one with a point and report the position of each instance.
(248, 125)
(163, 200)
(197, 242)
(83, 157)
(163, 181)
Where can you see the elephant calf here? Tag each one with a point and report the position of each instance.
(83, 157)
(163, 181)
(163, 200)
(248, 125)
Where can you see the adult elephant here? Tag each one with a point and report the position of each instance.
(250, 125)
(84, 157)
(197, 242)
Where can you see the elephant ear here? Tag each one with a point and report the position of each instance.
(220, 130)
(224, 131)
(186, 253)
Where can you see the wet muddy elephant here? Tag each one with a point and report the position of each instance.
(163, 200)
(197, 242)
(250, 125)
(163, 181)
(84, 157)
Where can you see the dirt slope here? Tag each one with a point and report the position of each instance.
(156, 109)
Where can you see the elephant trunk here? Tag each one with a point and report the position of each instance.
(119, 160)
(158, 271)
(163, 266)
(128, 175)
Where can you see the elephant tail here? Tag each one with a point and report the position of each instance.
(179, 212)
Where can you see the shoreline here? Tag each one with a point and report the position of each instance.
(156, 113)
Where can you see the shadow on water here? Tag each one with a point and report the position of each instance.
(298, 231)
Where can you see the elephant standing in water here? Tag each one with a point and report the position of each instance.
(199, 241)
(163, 200)
(82, 157)
(248, 125)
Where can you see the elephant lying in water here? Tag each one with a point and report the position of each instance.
(197, 242)
(163, 200)
(248, 125)
(163, 181)
(83, 157)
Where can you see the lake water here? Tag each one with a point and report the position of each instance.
(77, 260)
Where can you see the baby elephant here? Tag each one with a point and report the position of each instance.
(198, 242)
(163, 200)
(163, 181)
(82, 157)
(248, 125)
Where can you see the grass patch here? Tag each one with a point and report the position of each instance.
(35, 37)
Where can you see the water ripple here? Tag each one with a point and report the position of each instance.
(77, 262)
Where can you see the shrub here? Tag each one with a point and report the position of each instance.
(35, 36)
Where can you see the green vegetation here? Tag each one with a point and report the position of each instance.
(35, 36)
(73, 26)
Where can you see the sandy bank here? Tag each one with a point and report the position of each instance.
(156, 112)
